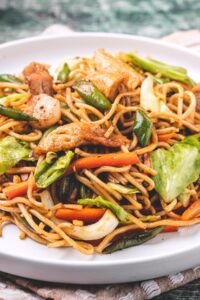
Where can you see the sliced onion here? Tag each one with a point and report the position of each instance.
(47, 199)
(94, 231)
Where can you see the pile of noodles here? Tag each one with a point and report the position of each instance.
(120, 118)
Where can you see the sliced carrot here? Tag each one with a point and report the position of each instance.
(169, 228)
(100, 160)
(18, 189)
(88, 215)
(192, 212)
(165, 137)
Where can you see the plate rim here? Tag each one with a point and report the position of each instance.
(103, 35)
(117, 262)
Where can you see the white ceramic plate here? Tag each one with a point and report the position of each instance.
(165, 254)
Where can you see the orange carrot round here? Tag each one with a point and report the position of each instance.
(88, 215)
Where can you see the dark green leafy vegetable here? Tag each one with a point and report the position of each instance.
(154, 66)
(121, 214)
(92, 95)
(132, 239)
(11, 152)
(176, 167)
(67, 185)
(64, 73)
(85, 192)
(15, 114)
(142, 127)
(10, 78)
(48, 171)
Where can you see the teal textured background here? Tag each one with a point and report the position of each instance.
(153, 18)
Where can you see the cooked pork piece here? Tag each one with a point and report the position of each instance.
(45, 109)
(105, 62)
(106, 82)
(76, 134)
(38, 79)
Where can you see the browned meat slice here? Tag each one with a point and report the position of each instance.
(107, 82)
(105, 62)
(76, 134)
(38, 79)
(196, 91)
(45, 109)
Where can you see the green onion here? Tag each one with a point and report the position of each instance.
(154, 66)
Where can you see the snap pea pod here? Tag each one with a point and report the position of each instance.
(15, 114)
(154, 66)
(132, 239)
(48, 172)
(92, 95)
(10, 78)
(64, 73)
(142, 127)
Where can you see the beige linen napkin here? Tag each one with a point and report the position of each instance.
(17, 288)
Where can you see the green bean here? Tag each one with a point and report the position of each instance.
(15, 114)
(64, 73)
(92, 95)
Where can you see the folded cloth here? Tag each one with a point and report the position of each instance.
(27, 289)
(17, 288)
